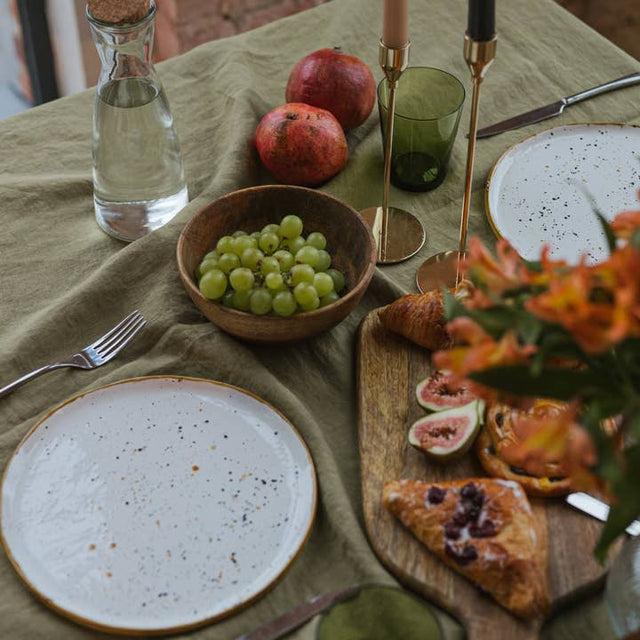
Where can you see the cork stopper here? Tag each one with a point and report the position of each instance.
(119, 11)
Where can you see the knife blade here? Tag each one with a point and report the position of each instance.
(295, 618)
(598, 509)
(556, 108)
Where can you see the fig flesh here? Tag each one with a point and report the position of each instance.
(449, 433)
(439, 391)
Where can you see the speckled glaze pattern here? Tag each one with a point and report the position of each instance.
(157, 504)
(544, 189)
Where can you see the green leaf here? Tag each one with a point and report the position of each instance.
(535, 266)
(529, 327)
(608, 466)
(496, 320)
(606, 227)
(627, 506)
(608, 231)
(560, 384)
(453, 308)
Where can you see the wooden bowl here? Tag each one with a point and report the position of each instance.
(349, 241)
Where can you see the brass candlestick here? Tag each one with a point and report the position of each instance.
(444, 269)
(398, 233)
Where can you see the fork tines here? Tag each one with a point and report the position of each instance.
(116, 339)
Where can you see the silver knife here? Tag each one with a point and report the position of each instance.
(598, 509)
(556, 108)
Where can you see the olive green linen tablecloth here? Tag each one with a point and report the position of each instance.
(64, 282)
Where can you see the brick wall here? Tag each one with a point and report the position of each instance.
(616, 20)
(184, 24)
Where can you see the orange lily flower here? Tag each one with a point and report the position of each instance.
(557, 441)
(599, 304)
(479, 351)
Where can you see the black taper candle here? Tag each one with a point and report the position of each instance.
(482, 20)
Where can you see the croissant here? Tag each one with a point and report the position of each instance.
(420, 318)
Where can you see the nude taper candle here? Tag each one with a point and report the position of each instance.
(395, 23)
(398, 233)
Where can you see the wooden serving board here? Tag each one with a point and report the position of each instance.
(389, 368)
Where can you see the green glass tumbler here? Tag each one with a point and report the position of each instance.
(378, 612)
(428, 109)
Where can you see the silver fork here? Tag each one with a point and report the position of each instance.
(95, 355)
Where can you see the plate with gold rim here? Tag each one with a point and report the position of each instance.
(545, 189)
(157, 504)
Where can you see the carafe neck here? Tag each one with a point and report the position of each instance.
(124, 49)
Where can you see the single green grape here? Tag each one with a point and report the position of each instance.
(307, 255)
(206, 265)
(294, 244)
(238, 233)
(284, 304)
(330, 298)
(312, 306)
(242, 243)
(227, 298)
(225, 245)
(274, 281)
(256, 235)
(290, 226)
(213, 284)
(251, 258)
(242, 279)
(306, 296)
(324, 260)
(269, 242)
(317, 240)
(285, 258)
(271, 228)
(338, 279)
(210, 255)
(227, 262)
(260, 301)
(323, 283)
(301, 273)
(241, 300)
(269, 265)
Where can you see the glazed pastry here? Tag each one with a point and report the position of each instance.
(418, 317)
(482, 528)
(501, 431)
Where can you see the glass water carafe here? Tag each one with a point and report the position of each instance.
(138, 174)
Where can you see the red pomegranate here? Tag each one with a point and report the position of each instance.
(334, 81)
(301, 144)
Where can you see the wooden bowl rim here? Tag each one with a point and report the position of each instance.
(355, 291)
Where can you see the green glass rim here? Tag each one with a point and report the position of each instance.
(444, 115)
(122, 27)
(357, 589)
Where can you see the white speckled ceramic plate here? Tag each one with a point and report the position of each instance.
(157, 504)
(540, 190)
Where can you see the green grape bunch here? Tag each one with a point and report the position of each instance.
(275, 271)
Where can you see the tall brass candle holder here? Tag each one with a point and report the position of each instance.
(398, 233)
(444, 269)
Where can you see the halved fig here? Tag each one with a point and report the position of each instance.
(440, 391)
(448, 434)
